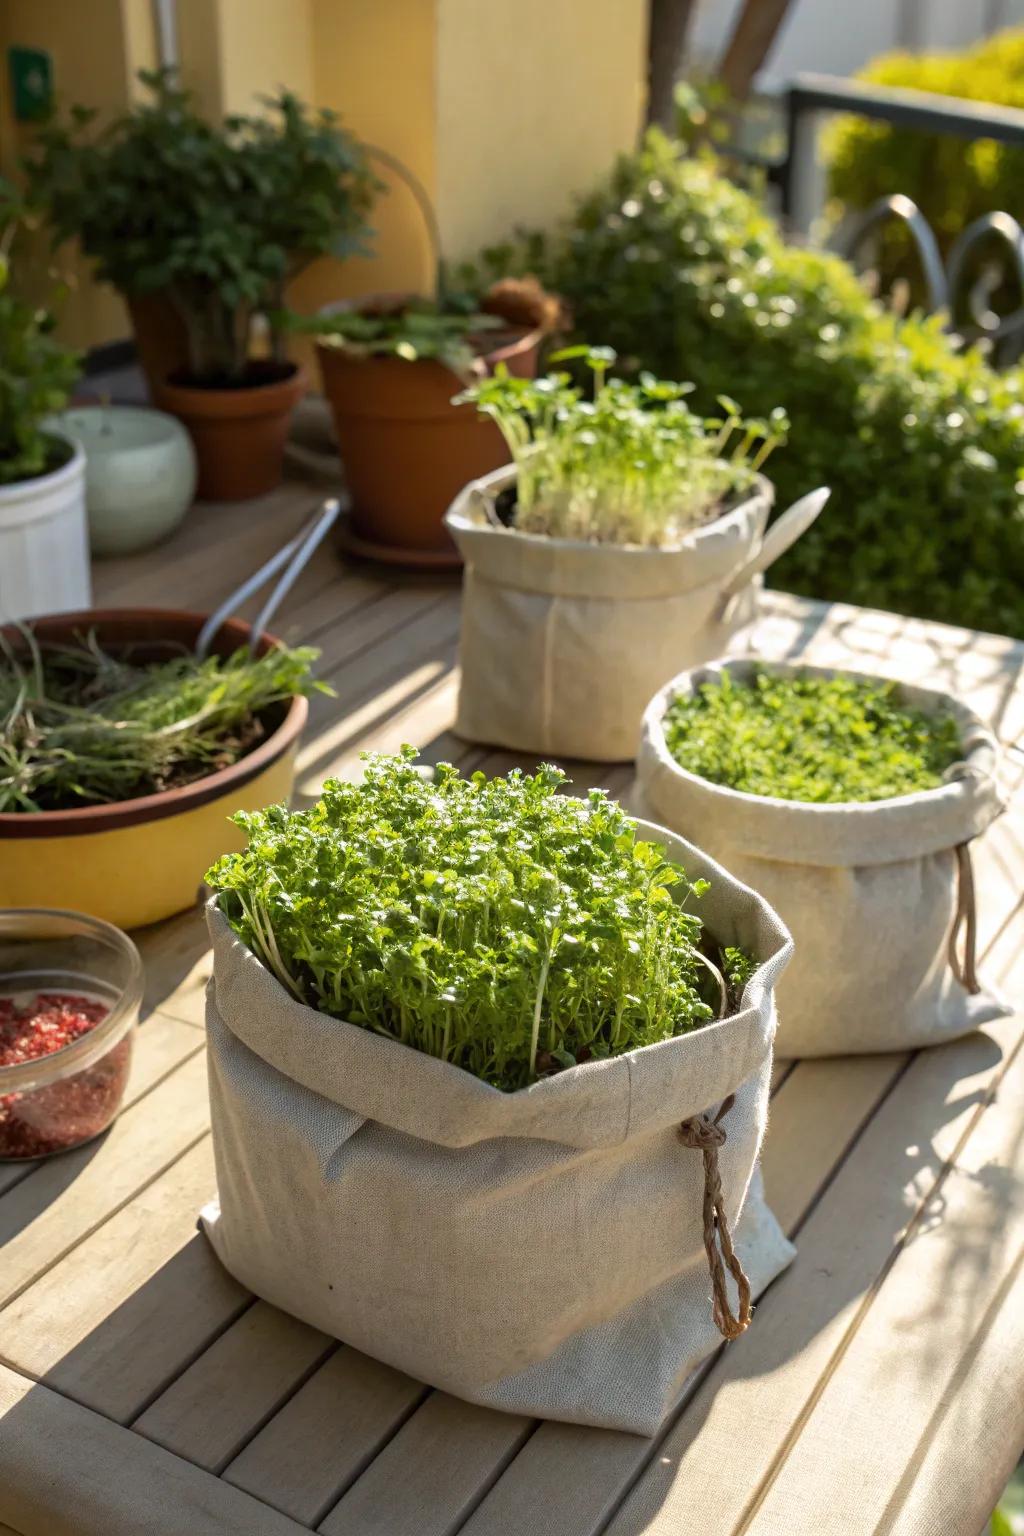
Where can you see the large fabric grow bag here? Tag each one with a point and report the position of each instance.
(879, 895)
(563, 643)
(541, 1252)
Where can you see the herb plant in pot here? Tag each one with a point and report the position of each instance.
(122, 755)
(390, 365)
(627, 536)
(44, 552)
(850, 803)
(445, 1014)
(216, 220)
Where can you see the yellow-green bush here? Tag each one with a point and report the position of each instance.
(952, 180)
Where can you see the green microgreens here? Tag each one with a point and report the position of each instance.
(81, 726)
(632, 466)
(496, 924)
(810, 738)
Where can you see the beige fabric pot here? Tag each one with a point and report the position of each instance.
(870, 892)
(540, 1252)
(563, 643)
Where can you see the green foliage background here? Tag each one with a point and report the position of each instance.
(952, 180)
(683, 273)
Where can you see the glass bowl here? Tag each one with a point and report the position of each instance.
(51, 1103)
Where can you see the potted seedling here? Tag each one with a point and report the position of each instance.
(850, 803)
(468, 1041)
(390, 365)
(210, 222)
(627, 536)
(44, 552)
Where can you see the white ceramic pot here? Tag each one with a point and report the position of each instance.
(44, 549)
(140, 475)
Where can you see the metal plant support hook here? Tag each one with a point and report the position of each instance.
(293, 557)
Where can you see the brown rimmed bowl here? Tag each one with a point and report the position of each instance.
(137, 861)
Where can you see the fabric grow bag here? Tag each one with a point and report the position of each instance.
(541, 1252)
(875, 893)
(563, 643)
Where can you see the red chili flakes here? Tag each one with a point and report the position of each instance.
(74, 1109)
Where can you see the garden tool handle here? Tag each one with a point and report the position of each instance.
(293, 557)
(785, 531)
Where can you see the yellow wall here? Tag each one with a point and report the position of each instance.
(534, 100)
(503, 109)
(96, 49)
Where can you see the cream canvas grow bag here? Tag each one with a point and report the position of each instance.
(563, 643)
(541, 1252)
(878, 896)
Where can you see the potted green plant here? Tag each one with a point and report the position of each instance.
(390, 365)
(467, 1039)
(626, 538)
(850, 803)
(214, 220)
(44, 552)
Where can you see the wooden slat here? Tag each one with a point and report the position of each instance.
(742, 1416)
(416, 1487)
(314, 1449)
(977, 1424)
(68, 1197)
(958, 1263)
(265, 1356)
(69, 1472)
(160, 1045)
(818, 1104)
(133, 1304)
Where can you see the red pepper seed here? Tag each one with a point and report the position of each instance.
(73, 1110)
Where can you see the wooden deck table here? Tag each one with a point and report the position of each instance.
(880, 1389)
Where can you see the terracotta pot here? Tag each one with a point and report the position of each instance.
(137, 861)
(239, 434)
(407, 450)
(160, 337)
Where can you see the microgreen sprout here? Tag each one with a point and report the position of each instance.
(632, 465)
(811, 738)
(496, 924)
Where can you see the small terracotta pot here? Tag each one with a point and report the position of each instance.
(407, 450)
(138, 861)
(161, 340)
(239, 434)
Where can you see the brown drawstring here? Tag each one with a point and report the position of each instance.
(967, 919)
(706, 1135)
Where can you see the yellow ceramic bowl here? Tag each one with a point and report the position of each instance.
(137, 861)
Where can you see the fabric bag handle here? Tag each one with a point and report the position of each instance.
(785, 531)
(705, 1134)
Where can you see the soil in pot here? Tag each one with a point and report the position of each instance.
(407, 450)
(239, 430)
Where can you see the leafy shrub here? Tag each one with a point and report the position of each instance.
(219, 217)
(495, 924)
(36, 372)
(684, 274)
(633, 466)
(810, 738)
(952, 180)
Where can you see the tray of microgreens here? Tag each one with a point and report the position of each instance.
(499, 925)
